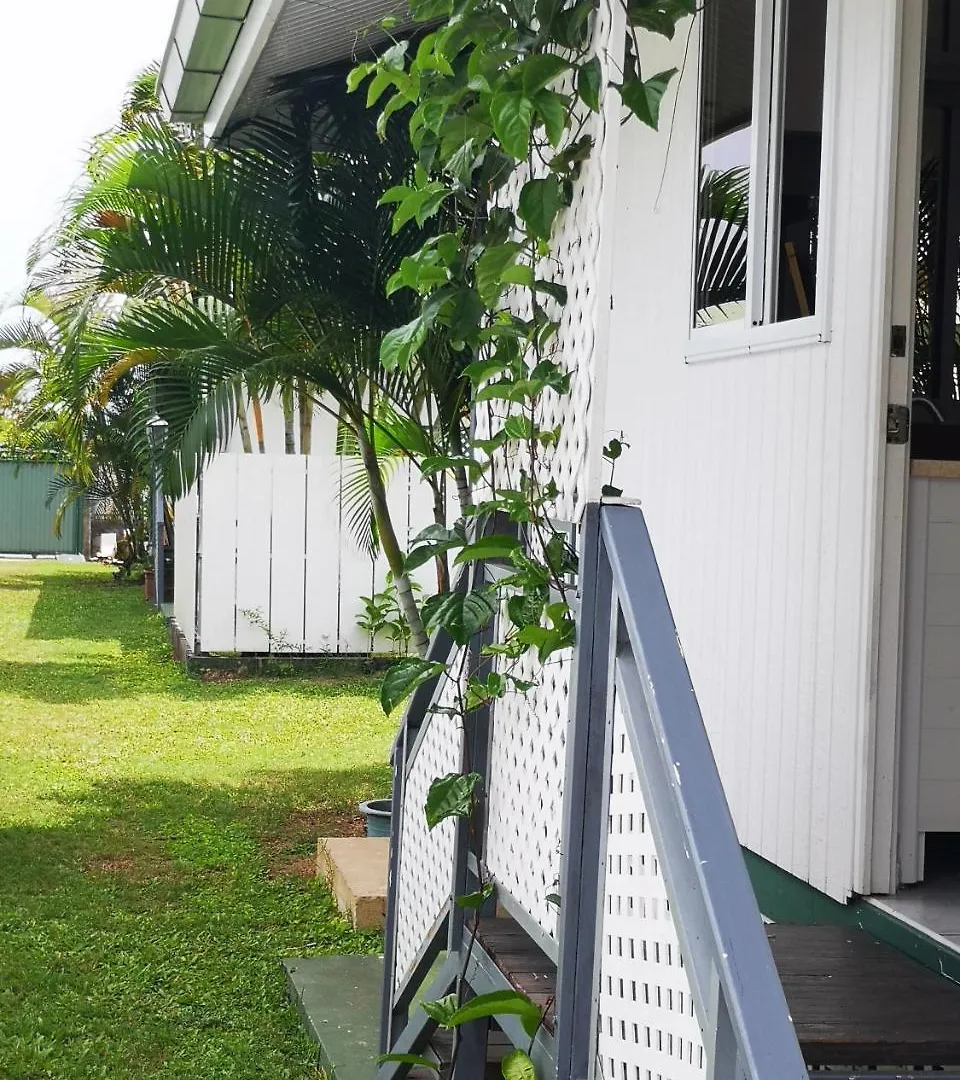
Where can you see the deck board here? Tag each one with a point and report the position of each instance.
(853, 999)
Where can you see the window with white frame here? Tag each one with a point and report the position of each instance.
(761, 132)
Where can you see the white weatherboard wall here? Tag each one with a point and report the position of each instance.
(932, 669)
(759, 472)
(275, 552)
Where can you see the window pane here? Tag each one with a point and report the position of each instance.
(726, 119)
(798, 191)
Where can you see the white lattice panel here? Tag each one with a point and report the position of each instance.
(425, 877)
(527, 749)
(647, 1027)
(526, 791)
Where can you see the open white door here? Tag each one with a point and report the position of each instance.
(896, 768)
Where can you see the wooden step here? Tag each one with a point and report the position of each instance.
(855, 1002)
(355, 871)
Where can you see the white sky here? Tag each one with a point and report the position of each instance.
(65, 66)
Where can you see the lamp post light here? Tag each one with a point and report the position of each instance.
(157, 436)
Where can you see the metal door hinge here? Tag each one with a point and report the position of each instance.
(898, 340)
(898, 425)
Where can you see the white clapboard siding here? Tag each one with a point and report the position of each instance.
(759, 472)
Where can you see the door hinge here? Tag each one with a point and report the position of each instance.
(898, 340)
(898, 425)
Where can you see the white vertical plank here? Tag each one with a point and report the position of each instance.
(288, 528)
(186, 514)
(254, 511)
(323, 541)
(356, 578)
(218, 566)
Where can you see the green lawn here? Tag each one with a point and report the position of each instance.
(155, 834)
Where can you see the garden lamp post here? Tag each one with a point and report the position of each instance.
(157, 435)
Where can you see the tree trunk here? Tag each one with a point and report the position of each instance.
(258, 422)
(390, 545)
(440, 518)
(289, 441)
(305, 406)
(464, 490)
(242, 417)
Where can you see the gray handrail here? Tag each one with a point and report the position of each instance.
(629, 641)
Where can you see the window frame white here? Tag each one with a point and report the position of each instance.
(756, 330)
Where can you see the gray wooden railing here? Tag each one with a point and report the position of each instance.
(627, 651)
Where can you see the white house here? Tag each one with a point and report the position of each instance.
(794, 433)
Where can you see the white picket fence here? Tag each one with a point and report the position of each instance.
(264, 561)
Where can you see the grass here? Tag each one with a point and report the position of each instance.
(155, 841)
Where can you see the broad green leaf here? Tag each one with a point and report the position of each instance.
(403, 678)
(408, 1059)
(489, 547)
(552, 110)
(400, 346)
(512, 115)
(518, 1066)
(394, 59)
(490, 269)
(433, 541)
(498, 1003)
(588, 84)
(643, 97)
(540, 70)
(539, 204)
(358, 74)
(441, 1010)
(475, 900)
(450, 796)
(461, 614)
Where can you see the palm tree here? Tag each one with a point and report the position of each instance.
(261, 268)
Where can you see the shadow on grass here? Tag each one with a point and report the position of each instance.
(142, 933)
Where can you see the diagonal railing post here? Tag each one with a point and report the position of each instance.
(585, 801)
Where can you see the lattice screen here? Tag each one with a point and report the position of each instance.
(647, 1027)
(425, 879)
(527, 750)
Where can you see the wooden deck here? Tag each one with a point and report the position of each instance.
(855, 1001)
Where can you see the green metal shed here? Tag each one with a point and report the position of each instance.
(28, 508)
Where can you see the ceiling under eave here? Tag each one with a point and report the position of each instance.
(219, 67)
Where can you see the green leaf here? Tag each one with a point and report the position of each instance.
(540, 70)
(518, 1066)
(643, 97)
(403, 678)
(442, 1009)
(475, 900)
(461, 614)
(498, 1003)
(512, 115)
(490, 269)
(450, 796)
(539, 204)
(408, 1059)
(356, 75)
(489, 547)
(553, 898)
(394, 59)
(399, 346)
(552, 110)
(588, 84)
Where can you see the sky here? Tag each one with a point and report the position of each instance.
(65, 67)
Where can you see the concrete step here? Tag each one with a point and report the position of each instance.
(338, 998)
(355, 870)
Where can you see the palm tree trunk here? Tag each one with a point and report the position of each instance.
(289, 441)
(440, 518)
(242, 417)
(305, 405)
(258, 422)
(390, 545)
(464, 490)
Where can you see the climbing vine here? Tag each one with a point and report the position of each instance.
(497, 96)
